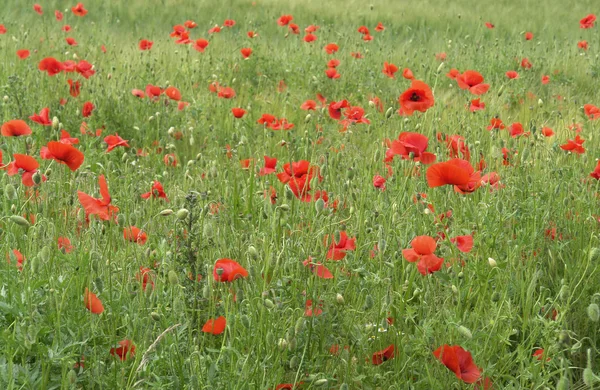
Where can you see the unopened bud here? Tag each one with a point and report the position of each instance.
(440, 67)
(307, 118)
(182, 214)
(36, 178)
(593, 312)
(339, 299)
(155, 316)
(465, 332)
(10, 192)
(389, 113)
(173, 279)
(319, 205)
(55, 123)
(121, 220)
(320, 382)
(20, 221)
(166, 212)
(252, 252)
(492, 262)
(269, 304)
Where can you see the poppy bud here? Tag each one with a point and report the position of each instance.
(284, 207)
(72, 376)
(252, 252)
(323, 382)
(319, 205)
(294, 362)
(593, 312)
(245, 321)
(282, 344)
(173, 279)
(36, 178)
(270, 338)
(344, 386)
(45, 254)
(440, 67)
(454, 289)
(171, 131)
(207, 231)
(464, 331)
(34, 264)
(29, 140)
(155, 316)
(381, 244)
(562, 384)
(368, 302)
(121, 220)
(55, 123)
(589, 378)
(307, 118)
(389, 113)
(5, 98)
(20, 221)
(594, 254)
(166, 212)
(182, 214)
(10, 192)
(206, 290)
(492, 262)
(461, 275)
(339, 299)
(268, 303)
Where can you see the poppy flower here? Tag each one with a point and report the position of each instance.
(227, 270)
(153, 92)
(447, 173)
(511, 74)
(15, 128)
(71, 41)
(441, 56)
(43, 118)
(173, 93)
(79, 10)
(311, 310)
(516, 130)
(100, 207)
(591, 111)
(88, 107)
(463, 243)
(318, 269)
(64, 153)
(417, 98)
(528, 36)
(134, 234)
(64, 245)
(547, 132)
(251, 34)
(246, 52)
(270, 164)
(309, 105)
(190, 24)
(23, 53)
(367, 37)
(389, 69)
(38, 8)
(238, 112)
(145, 44)
(92, 303)
(226, 93)
(596, 173)
(125, 348)
(311, 28)
(422, 248)
(215, 29)
(476, 105)
(85, 69)
(284, 20)
(294, 28)
(145, 275)
(308, 38)
(2, 29)
(74, 87)
(139, 93)
(411, 144)
(200, 45)
(26, 165)
(170, 160)
(18, 257)
(215, 326)
(331, 48)
(379, 27)
(493, 179)
(545, 79)
(453, 74)
(459, 361)
(575, 146)
(66, 28)
(335, 109)
(379, 182)
(157, 191)
(489, 25)
(588, 21)
(356, 55)
(383, 355)
(526, 64)
(473, 81)
(582, 45)
(229, 23)
(408, 74)
(332, 73)
(337, 250)
(114, 141)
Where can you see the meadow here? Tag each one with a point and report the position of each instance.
(286, 194)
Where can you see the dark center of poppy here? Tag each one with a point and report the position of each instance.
(415, 97)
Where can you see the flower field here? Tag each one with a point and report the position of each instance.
(299, 195)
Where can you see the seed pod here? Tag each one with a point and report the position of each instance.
(299, 327)
(284, 207)
(589, 378)
(245, 321)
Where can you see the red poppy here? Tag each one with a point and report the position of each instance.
(64, 245)
(238, 112)
(525, 64)
(476, 105)
(284, 20)
(84, 68)
(200, 45)
(114, 141)
(411, 144)
(335, 109)
(88, 107)
(459, 361)
(379, 27)
(383, 355)
(379, 182)
(356, 55)
(312, 311)
(38, 8)
(79, 10)
(294, 28)
(331, 48)
(43, 118)
(215, 29)
(215, 326)
(227, 270)
(226, 93)
(173, 93)
(528, 36)
(64, 153)
(463, 243)
(596, 173)
(246, 52)
(157, 191)
(190, 24)
(588, 21)
(100, 207)
(229, 23)
(74, 87)
(575, 146)
(2, 29)
(270, 164)
(516, 130)
(493, 179)
(448, 173)
(582, 45)
(539, 354)
(337, 250)
(473, 81)
(318, 269)
(308, 38)
(153, 92)
(422, 251)
(170, 160)
(145, 44)
(18, 258)
(71, 41)
(489, 25)
(15, 128)
(26, 165)
(453, 74)
(417, 98)
(591, 111)
(251, 34)
(389, 69)
(311, 28)
(23, 53)
(408, 74)
(125, 348)
(511, 74)
(145, 275)
(66, 28)
(309, 105)
(547, 132)
(139, 93)
(134, 234)
(92, 303)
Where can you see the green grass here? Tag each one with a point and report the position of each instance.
(268, 340)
